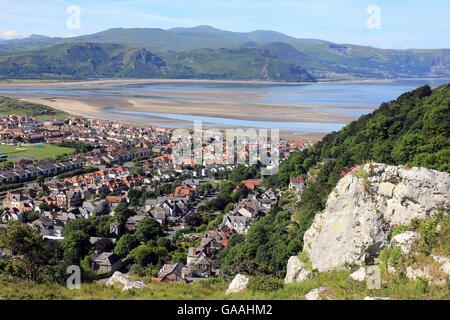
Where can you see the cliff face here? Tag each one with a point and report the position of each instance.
(365, 206)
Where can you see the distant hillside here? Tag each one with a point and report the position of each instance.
(11, 106)
(83, 60)
(94, 60)
(322, 59)
(237, 64)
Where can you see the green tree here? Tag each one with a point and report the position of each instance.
(76, 246)
(28, 245)
(149, 229)
(126, 244)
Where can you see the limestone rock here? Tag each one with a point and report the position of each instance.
(120, 278)
(359, 275)
(358, 219)
(377, 298)
(238, 284)
(445, 263)
(296, 271)
(319, 294)
(405, 241)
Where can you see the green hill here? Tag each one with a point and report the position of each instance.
(412, 130)
(82, 60)
(11, 106)
(322, 59)
(94, 60)
(237, 64)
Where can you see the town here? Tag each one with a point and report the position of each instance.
(117, 185)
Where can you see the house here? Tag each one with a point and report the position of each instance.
(252, 184)
(133, 222)
(194, 254)
(202, 268)
(297, 185)
(160, 214)
(240, 224)
(105, 262)
(14, 199)
(171, 273)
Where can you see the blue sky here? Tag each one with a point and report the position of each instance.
(403, 24)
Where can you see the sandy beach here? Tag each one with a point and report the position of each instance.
(175, 108)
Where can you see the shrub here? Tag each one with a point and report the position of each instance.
(264, 283)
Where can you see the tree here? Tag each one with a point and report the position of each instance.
(44, 206)
(40, 180)
(104, 245)
(142, 255)
(149, 229)
(126, 244)
(27, 243)
(76, 246)
(163, 242)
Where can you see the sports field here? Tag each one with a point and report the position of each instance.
(37, 151)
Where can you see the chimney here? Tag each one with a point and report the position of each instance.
(195, 251)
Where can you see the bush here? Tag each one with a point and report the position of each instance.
(264, 283)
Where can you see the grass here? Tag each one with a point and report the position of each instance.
(36, 151)
(341, 288)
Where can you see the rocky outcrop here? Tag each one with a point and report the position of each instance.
(365, 206)
(296, 271)
(359, 275)
(122, 279)
(238, 284)
(319, 294)
(405, 241)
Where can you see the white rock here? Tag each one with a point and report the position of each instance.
(238, 284)
(445, 267)
(296, 271)
(359, 216)
(318, 294)
(405, 241)
(359, 275)
(377, 298)
(120, 278)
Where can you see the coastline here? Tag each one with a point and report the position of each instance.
(113, 81)
(83, 109)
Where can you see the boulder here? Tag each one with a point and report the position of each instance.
(359, 275)
(445, 263)
(359, 216)
(296, 271)
(238, 284)
(405, 241)
(377, 298)
(122, 279)
(319, 294)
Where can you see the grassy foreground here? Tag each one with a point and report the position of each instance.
(341, 289)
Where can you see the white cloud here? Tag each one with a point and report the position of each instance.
(10, 34)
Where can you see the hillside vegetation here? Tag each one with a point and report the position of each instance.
(11, 106)
(412, 130)
(94, 60)
(322, 59)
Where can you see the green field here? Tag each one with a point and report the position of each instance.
(35, 151)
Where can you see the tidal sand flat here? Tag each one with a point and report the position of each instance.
(300, 110)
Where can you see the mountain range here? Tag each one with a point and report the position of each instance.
(205, 52)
